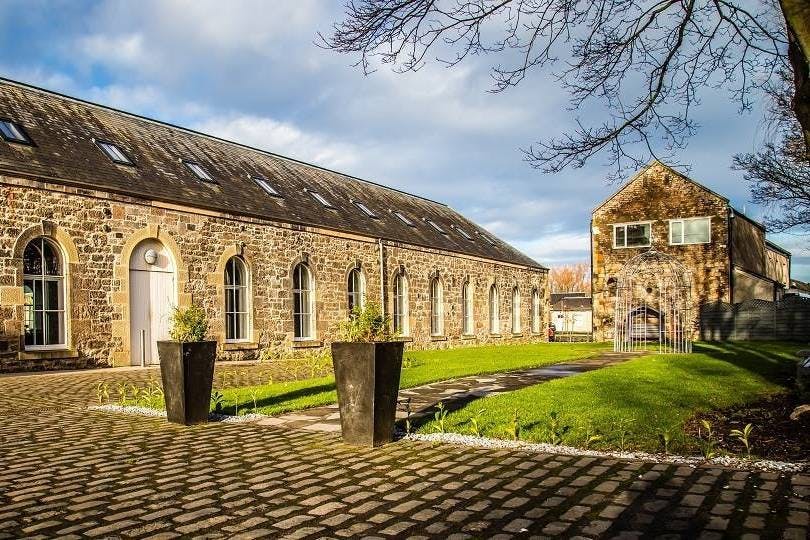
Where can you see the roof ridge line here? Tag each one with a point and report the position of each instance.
(209, 136)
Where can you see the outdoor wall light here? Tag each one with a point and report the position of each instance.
(150, 256)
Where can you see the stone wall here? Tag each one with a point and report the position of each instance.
(97, 231)
(658, 194)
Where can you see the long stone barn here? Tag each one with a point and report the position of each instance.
(109, 220)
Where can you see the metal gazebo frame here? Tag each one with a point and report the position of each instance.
(653, 285)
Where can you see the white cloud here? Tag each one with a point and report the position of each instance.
(282, 138)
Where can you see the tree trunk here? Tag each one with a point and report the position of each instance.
(797, 18)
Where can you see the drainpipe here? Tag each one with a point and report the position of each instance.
(382, 276)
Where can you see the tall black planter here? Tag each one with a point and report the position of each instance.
(187, 370)
(367, 377)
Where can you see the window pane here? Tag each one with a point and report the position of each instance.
(241, 326)
(51, 257)
(229, 326)
(696, 231)
(34, 333)
(638, 235)
(676, 232)
(620, 236)
(32, 258)
(52, 298)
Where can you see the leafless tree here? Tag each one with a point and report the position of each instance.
(570, 278)
(644, 62)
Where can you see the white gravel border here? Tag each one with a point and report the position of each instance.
(691, 461)
(146, 411)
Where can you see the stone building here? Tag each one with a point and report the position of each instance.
(108, 220)
(725, 252)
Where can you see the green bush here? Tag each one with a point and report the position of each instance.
(366, 325)
(188, 324)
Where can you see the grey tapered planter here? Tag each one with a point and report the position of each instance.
(367, 379)
(187, 371)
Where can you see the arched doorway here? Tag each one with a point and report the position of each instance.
(653, 305)
(152, 297)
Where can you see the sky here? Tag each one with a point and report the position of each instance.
(250, 71)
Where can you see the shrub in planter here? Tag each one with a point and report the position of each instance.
(187, 367)
(367, 360)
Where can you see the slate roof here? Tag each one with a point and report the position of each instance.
(63, 129)
(571, 301)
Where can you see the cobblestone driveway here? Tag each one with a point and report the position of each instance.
(79, 473)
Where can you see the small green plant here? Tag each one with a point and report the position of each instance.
(254, 396)
(515, 425)
(744, 436)
(217, 400)
(121, 390)
(556, 430)
(592, 435)
(188, 324)
(707, 439)
(622, 429)
(409, 362)
(102, 392)
(475, 423)
(666, 436)
(366, 325)
(440, 416)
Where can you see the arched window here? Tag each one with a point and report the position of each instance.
(515, 311)
(44, 291)
(237, 300)
(535, 311)
(494, 311)
(401, 304)
(356, 289)
(467, 323)
(436, 308)
(303, 302)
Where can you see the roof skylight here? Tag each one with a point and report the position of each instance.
(13, 132)
(486, 237)
(320, 198)
(366, 210)
(435, 226)
(404, 219)
(114, 153)
(266, 186)
(463, 233)
(199, 171)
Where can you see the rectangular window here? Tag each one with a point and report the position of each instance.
(631, 235)
(266, 186)
(404, 219)
(320, 198)
(690, 231)
(199, 171)
(114, 153)
(366, 210)
(13, 132)
(435, 226)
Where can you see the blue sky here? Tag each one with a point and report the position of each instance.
(246, 72)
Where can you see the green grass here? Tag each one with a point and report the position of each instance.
(419, 367)
(631, 403)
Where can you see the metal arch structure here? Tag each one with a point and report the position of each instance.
(653, 305)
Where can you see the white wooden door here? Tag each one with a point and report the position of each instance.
(152, 297)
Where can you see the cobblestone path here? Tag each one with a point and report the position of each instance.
(77, 473)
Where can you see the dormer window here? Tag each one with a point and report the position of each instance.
(463, 233)
(404, 219)
(114, 153)
(199, 171)
(266, 186)
(435, 226)
(320, 198)
(365, 209)
(13, 132)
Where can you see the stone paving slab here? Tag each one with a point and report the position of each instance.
(87, 474)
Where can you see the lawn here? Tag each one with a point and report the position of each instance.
(419, 367)
(632, 405)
